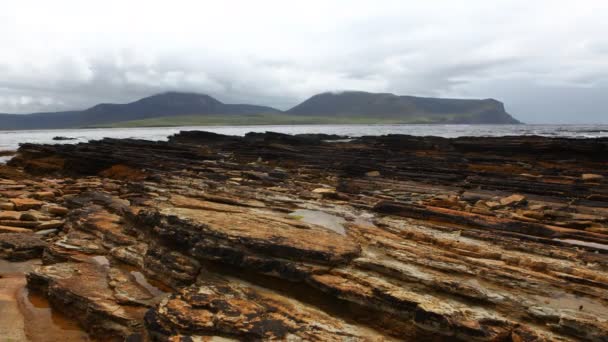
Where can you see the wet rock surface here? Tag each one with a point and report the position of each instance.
(17, 247)
(315, 237)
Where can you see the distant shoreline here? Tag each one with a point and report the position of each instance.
(277, 124)
(312, 124)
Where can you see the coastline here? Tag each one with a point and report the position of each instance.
(10, 140)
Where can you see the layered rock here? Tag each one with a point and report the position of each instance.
(15, 246)
(270, 236)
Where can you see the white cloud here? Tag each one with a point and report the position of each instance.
(73, 54)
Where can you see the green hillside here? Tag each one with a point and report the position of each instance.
(278, 119)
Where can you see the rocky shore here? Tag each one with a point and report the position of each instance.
(312, 237)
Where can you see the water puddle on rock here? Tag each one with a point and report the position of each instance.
(567, 301)
(27, 316)
(42, 323)
(101, 260)
(155, 289)
(364, 220)
(5, 159)
(585, 244)
(320, 218)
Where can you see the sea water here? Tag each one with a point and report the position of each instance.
(10, 140)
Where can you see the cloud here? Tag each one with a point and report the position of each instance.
(531, 55)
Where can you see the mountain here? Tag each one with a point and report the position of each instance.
(169, 104)
(409, 108)
(176, 108)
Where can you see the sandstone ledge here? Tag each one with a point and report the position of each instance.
(296, 238)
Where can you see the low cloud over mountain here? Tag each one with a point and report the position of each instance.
(546, 59)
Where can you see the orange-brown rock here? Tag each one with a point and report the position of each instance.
(9, 229)
(270, 236)
(57, 210)
(22, 204)
(18, 246)
(7, 206)
(10, 215)
(85, 292)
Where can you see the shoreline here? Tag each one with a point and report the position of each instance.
(312, 124)
(271, 125)
(291, 236)
(11, 139)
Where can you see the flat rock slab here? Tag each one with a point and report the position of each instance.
(256, 232)
(218, 306)
(7, 229)
(26, 316)
(10, 215)
(81, 290)
(22, 204)
(18, 246)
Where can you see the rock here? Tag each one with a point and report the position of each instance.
(522, 217)
(177, 269)
(50, 225)
(574, 224)
(539, 266)
(446, 201)
(324, 191)
(513, 200)
(481, 211)
(7, 229)
(22, 204)
(133, 255)
(493, 205)
(185, 253)
(13, 186)
(13, 193)
(44, 195)
(46, 232)
(19, 223)
(601, 230)
(7, 206)
(82, 290)
(597, 197)
(59, 211)
(271, 236)
(591, 177)
(18, 247)
(537, 207)
(558, 214)
(219, 307)
(534, 214)
(330, 193)
(28, 217)
(10, 215)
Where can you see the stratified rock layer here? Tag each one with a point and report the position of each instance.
(271, 236)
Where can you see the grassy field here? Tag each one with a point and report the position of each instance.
(272, 119)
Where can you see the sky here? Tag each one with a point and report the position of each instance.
(547, 60)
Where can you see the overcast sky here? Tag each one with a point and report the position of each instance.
(547, 60)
